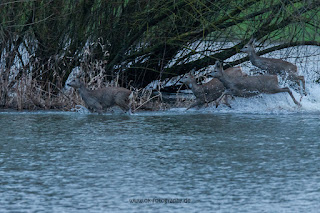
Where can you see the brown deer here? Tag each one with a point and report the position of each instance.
(247, 86)
(101, 99)
(211, 90)
(275, 66)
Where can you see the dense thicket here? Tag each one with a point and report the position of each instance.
(138, 41)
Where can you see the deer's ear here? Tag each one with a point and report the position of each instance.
(79, 76)
(192, 72)
(251, 40)
(254, 40)
(218, 64)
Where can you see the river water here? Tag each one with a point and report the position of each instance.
(174, 161)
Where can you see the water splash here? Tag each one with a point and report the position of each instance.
(280, 103)
(307, 60)
(80, 109)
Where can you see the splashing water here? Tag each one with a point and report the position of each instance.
(307, 60)
(80, 109)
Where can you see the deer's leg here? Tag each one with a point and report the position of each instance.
(227, 92)
(131, 99)
(123, 102)
(94, 104)
(286, 89)
(226, 101)
(299, 79)
(303, 86)
(98, 108)
(123, 105)
(196, 104)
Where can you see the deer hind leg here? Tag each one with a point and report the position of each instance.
(227, 92)
(226, 101)
(124, 106)
(131, 99)
(123, 103)
(98, 108)
(299, 79)
(94, 105)
(286, 89)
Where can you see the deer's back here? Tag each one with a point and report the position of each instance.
(109, 96)
(234, 71)
(209, 91)
(261, 83)
(274, 66)
(213, 84)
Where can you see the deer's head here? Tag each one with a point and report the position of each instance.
(249, 47)
(75, 83)
(217, 71)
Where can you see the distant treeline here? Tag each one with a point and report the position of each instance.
(138, 41)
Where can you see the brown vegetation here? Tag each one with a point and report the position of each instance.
(133, 42)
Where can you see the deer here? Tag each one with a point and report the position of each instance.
(275, 66)
(101, 99)
(248, 86)
(211, 90)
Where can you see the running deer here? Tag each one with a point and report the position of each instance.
(100, 99)
(247, 86)
(275, 66)
(211, 90)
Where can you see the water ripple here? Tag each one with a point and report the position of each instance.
(66, 162)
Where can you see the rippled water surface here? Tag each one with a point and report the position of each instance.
(203, 162)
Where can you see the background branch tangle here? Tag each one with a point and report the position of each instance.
(139, 41)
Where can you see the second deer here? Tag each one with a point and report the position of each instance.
(247, 86)
(211, 90)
